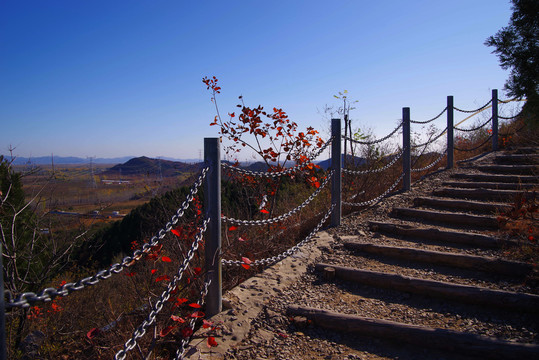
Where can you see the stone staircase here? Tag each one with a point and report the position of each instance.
(421, 275)
(441, 263)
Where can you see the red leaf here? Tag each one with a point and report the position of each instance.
(93, 333)
(206, 324)
(264, 211)
(197, 270)
(241, 239)
(181, 301)
(166, 330)
(166, 259)
(246, 260)
(162, 277)
(177, 319)
(187, 332)
(245, 266)
(154, 271)
(195, 305)
(176, 232)
(211, 342)
(198, 314)
(232, 228)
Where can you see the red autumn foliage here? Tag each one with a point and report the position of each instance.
(211, 342)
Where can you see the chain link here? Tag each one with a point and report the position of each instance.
(276, 174)
(283, 216)
(430, 141)
(26, 299)
(272, 260)
(473, 129)
(185, 341)
(508, 118)
(475, 148)
(376, 199)
(373, 141)
(158, 306)
(476, 110)
(362, 172)
(430, 120)
(431, 164)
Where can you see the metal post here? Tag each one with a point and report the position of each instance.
(494, 119)
(336, 166)
(212, 204)
(3, 344)
(450, 133)
(406, 157)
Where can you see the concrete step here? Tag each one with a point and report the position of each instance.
(459, 219)
(464, 261)
(497, 178)
(451, 341)
(434, 234)
(508, 169)
(479, 296)
(467, 205)
(510, 159)
(489, 185)
(479, 194)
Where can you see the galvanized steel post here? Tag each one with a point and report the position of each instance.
(336, 166)
(450, 133)
(494, 119)
(406, 156)
(212, 205)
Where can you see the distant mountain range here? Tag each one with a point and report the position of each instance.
(72, 160)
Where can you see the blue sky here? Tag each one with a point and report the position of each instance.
(115, 78)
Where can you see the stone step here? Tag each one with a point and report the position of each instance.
(526, 150)
(480, 296)
(478, 194)
(436, 235)
(465, 344)
(510, 159)
(465, 261)
(497, 178)
(477, 206)
(489, 185)
(507, 169)
(460, 219)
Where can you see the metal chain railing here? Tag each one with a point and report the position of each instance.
(283, 216)
(276, 174)
(476, 110)
(47, 294)
(474, 129)
(379, 197)
(158, 306)
(475, 148)
(431, 164)
(508, 118)
(430, 120)
(201, 300)
(372, 142)
(385, 167)
(274, 259)
(430, 141)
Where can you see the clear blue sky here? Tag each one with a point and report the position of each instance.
(123, 77)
